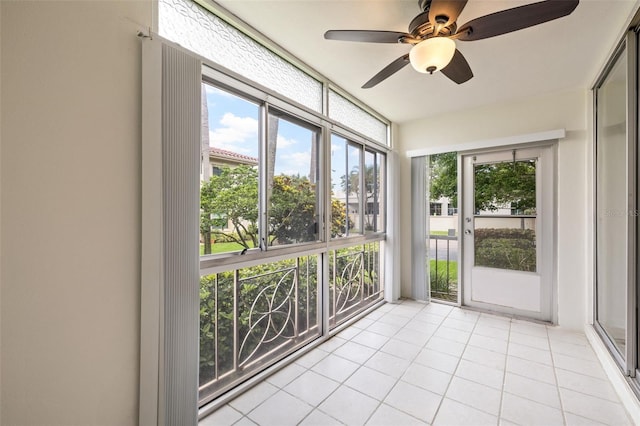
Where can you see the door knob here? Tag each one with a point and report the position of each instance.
(467, 231)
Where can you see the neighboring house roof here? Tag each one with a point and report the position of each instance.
(223, 154)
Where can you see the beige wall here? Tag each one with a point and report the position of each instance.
(70, 217)
(558, 111)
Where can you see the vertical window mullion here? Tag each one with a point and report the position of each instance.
(263, 218)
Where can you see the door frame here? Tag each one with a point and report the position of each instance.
(548, 251)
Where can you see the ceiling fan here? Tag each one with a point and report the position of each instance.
(433, 31)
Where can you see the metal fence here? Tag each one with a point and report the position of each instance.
(442, 267)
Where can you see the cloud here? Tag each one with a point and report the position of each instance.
(234, 133)
(294, 163)
(284, 142)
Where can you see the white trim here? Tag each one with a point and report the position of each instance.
(490, 143)
(618, 381)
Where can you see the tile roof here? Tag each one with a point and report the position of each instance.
(229, 155)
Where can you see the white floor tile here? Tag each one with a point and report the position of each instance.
(335, 368)
(453, 413)
(528, 340)
(532, 389)
(526, 412)
(312, 358)
(464, 315)
(271, 412)
(244, 422)
(413, 400)
(529, 353)
(593, 408)
(286, 375)
(489, 343)
(332, 344)
(355, 352)
(396, 364)
(459, 324)
(571, 349)
(349, 406)
(429, 318)
(225, 415)
(532, 370)
(485, 357)
(401, 349)
(446, 346)
(318, 418)
(312, 387)
(370, 339)
(586, 384)
(387, 416)
(438, 360)
(574, 420)
(384, 329)
(427, 378)
(414, 337)
(480, 374)
(475, 395)
(388, 364)
(489, 331)
(371, 382)
(460, 336)
(579, 365)
(530, 328)
(253, 397)
(392, 319)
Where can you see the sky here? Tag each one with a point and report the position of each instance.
(233, 126)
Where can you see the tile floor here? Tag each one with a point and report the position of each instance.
(416, 364)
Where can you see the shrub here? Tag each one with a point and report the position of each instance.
(513, 249)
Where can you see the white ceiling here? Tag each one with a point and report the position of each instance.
(559, 55)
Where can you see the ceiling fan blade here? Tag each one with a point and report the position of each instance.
(366, 36)
(515, 19)
(388, 71)
(458, 69)
(446, 8)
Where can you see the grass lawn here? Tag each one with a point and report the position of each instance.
(222, 248)
(442, 269)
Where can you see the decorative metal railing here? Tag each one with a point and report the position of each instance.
(443, 267)
(355, 284)
(252, 317)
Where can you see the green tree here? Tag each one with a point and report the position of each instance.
(496, 185)
(232, 198)
(351, 185)
(444, 177)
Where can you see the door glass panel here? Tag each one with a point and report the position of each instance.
(611, 199)
(505, 215)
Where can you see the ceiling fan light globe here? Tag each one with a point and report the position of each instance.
(432, 53)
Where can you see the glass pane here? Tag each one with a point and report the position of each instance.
(505, 219)
(197, 29)
(443, 226)
(292, 174)
(352, 183)
(252, 316)
(372, 185)
(340, 220)
(611, 199)
(351, 115)
(355, 281)
(228, 173)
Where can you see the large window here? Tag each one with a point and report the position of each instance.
(291, 216)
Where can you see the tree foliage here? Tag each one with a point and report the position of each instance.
(508, 184)
(229, 209)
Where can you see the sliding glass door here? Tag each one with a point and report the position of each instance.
(616, 205)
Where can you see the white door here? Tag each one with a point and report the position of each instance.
(508, 231)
